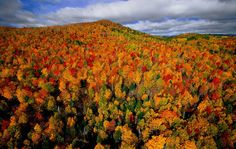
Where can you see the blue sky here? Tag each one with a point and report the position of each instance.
(158, 17)
(47, 6)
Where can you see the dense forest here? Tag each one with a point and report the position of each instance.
(103, 85)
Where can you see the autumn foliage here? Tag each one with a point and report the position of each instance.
(102, 85)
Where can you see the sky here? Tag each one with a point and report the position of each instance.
(157, 17)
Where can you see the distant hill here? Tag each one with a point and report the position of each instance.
(110, 23)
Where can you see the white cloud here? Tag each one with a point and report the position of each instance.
(49, 1)
(169, 27)
(7, 8)
(176, 26)
(153, 16)
(132, 10)
(11, 13)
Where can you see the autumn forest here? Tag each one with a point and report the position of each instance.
(102, 85)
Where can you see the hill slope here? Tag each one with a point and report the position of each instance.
(104, 85)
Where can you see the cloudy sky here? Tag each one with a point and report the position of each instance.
(158, 17)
